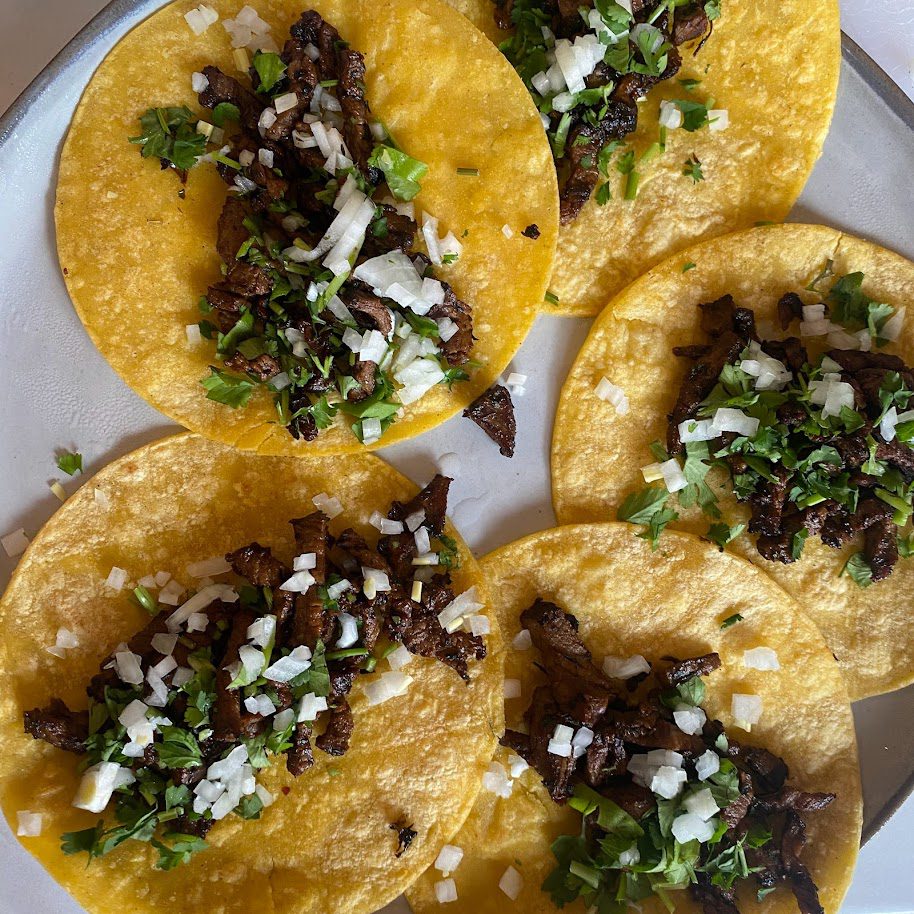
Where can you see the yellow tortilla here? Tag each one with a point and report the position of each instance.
(136, 258)
(597, 454)
(773, 65)
(327, 845)
(630, 600)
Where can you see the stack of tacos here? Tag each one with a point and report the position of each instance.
(252, 666)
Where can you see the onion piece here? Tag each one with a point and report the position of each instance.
(746, 710)
(625, 668)
(761, 658)
(448, 859)
(511, 883)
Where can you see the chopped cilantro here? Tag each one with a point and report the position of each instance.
(604, 194)
(641, 506)
(401, 172)
(731, 620)
(689, 265)
(225, 112)
(694, 114)
(70, 463)
(228, 389)
(270, 68)
(692, 169)
(468, 172)
(170, 134)
(723, 534)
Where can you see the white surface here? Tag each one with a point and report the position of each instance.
(61, 409)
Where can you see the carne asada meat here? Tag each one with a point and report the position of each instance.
(624, 752)
(822, 468)
(493, 412)
(202, 699)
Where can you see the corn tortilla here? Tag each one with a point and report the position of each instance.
(136, 258)
(597, 455)
(773, 65)
(327, 845)
(630, 600)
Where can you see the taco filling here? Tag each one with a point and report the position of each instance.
(323, 298)
(587, 67)
(669, 801)
(814, 432)
(183, 717)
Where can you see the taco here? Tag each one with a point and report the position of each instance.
(628, 774)
(669, 121)
(763, 381)
(327, 259)
(241, 668)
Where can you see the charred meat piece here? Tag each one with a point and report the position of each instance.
(581, 690)
(405, 835)
(690, 24)
(880, 548)
(222, 88)
(335, 739)
(263, 367)
(583, 150)
(231, 232)
(392, 232)
(351, 94)
(58, 725)
(371, 312)
(230, 722)
(258, 564)
(671, 672)
(493, 412)
(790, 309)
(456, 349)
(432, 500)
(556, 771)
(300, 757)
(246, 280)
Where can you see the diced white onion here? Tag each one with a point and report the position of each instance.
(891, 329)
(331, 506)
(350, 631)
(496, 780)
(479, 625)
(761, 658)
(448, 859)
(98, 784)
(298, 583)
(197, 622)
(610, 393)
(311, 705)
(746, 710)
(511, 883)
(726, 419)
(670, 116)
(702, 804)
(625, 667)
(690, 827)
(445, 891)
(387, 686)
(689, 719)
(28, 824)
(127, 667)
(198, 602)
(667, 782)
(282, 103)
(522, 641)
(461, 606)
(718, 119)
(289, 667)
(16, 543)
(259, 704)
(516, 765)
(706, 764)
(399, 657)
(116, 579)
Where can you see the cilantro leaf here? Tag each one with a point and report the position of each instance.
(723, 534)
(225, 112)
(179, 748)
(604, 194)
(692, 169)
(270, 68)
(641, 506)
(180, 851)
(694, 114)
(228, 389)
(858, 569)
(712, 9)
(401, 172)
(79, 842)
(70, 463)
(657, 524)
(170, 134)
(854, 309)
(731, 620)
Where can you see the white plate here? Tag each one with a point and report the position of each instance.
(58, 392)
